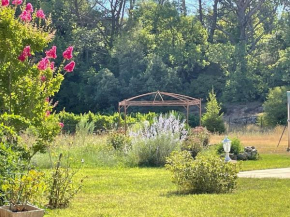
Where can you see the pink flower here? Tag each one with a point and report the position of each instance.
(67, 54)
(47, 113)
(5, 3)
(43, 78)
(61, 125)
(52, 65)
(47, 99)
(29, 8)
(43, 64)
(40, 14)
(17, 2)
(51, 53)
(25, 53)
(22, 57)
(25, 16)
(70, 67)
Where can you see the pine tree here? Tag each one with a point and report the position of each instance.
(212, 119)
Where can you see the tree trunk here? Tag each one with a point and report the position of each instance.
(213, 21)
(200, 12)
(183, 7)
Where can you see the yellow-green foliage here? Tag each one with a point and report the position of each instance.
(205, 174)
(24, 188)
(22, 93)
(102, 122)
(212, 119)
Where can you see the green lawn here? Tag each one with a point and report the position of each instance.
(267, 161)
(149, 192)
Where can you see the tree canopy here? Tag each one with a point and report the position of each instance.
(240, 48)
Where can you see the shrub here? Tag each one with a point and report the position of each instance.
(196, 141)
(212, 119)
(205, 174)
(119, 141)
(23, 189)
(275, 106)
(70, 121)
(151, 144)
(193, 120)
(61, 185)
(236, 147)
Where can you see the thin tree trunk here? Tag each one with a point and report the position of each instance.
(200, 12)
(214, 20)
(183, 6)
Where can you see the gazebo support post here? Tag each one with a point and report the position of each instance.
(119, 110)
(288, 120)
(199, 112)
(125, 111)
(187, 114)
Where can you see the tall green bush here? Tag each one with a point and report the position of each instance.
(275, 106)
(212, 119)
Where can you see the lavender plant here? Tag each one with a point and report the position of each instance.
(151, 144)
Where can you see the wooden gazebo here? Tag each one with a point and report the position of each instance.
(160, 99)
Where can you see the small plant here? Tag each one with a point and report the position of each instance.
(151, 144)
(24, 189)
(236, 147)
(84, 129)
(196, 141)
(212, 119)
(205, 174)
(119, 141)
(61, 186)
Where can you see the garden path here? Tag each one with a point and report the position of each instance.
(283, 173)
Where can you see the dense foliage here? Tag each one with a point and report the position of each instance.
(206, 174)
(100, 122)
(240, 48)
(275, 106)
(213, 118)
(28, 80)
(152, 143)
(196, 141)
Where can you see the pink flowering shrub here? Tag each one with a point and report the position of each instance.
(40, 14)
(30, 82)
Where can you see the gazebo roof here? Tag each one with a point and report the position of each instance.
(172, 99)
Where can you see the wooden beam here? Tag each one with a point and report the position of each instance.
(288, 120)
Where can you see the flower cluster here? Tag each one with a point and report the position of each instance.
(169, 126)
(67, 55)
(46, 63)
(26, 14)
(50, 54)
(25, 53)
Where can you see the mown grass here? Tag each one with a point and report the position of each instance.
(114, 189)
(149, 192)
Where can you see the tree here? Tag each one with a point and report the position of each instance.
(275, 106)
(212, 119)
(27, 85)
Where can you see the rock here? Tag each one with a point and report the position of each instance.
(251, 153)
(242, 156)
(233, 156)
